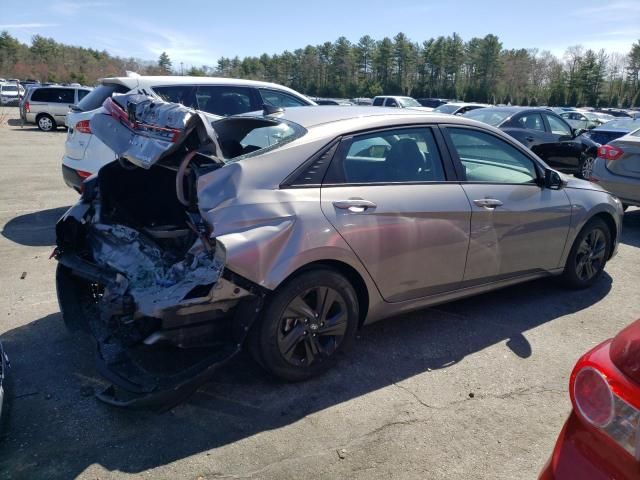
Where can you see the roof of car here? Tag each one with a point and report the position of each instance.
(319, 115)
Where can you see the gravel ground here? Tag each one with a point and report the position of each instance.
(475, 388)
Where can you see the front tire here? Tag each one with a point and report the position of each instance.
(588, 255)
(46, 123)
(307, 322)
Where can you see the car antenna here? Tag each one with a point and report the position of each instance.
(271, 110)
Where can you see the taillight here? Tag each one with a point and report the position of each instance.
(27, 107)
(609, 152)
(593, 397)
(83, 126)
(603, 398)
(83, 174)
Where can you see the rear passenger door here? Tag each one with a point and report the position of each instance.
(517, 226)
(387, 193)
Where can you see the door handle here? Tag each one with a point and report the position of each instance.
(355, 205)
(490, 203)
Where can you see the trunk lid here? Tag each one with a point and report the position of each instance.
(628, 165)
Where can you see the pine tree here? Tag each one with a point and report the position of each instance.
(164, 62)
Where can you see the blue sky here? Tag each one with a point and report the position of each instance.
(200, 32)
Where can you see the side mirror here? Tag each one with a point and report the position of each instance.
(553, 180)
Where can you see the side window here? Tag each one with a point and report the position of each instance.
(403, 155)
(391, 102)
(61, 95)
(557, 126)
(41, 95)
(82, 94)
(224, 100)
(531, 121)
(177, 94)
(378, 101)
(280, 99)
(487, 158)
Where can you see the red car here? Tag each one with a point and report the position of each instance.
(601, 438)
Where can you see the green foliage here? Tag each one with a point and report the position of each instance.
(476, 70)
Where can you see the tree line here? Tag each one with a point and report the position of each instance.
(479, 69)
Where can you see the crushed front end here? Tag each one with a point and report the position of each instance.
(140, 269)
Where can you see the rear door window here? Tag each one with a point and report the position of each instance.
(224, 100)
(280, 99)
(557, 126)
(378, 101)
(98, 95)
(183, 94)
(391, 102)
(530, 121)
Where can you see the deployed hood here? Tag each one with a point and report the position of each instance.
(145, 130)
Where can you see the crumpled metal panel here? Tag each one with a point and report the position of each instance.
(144, 130)
(155, 281)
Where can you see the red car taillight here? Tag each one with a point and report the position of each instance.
(607, 400)
(83, 126)
(593, 397)
(609, 152)
(27, 107)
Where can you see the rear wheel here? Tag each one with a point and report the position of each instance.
(588, 255)
(586, 166)
(46, 123)
(306, 324)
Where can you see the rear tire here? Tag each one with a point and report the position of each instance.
(46, 123)
(588, 255)
(585, 168)
(307, 322)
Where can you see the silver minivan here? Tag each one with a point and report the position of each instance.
(47, 107)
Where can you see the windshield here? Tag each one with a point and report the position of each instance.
(9, 88)
(242, 137)
(409, 102)
(98, 95)
(446, 108)
(489, 116)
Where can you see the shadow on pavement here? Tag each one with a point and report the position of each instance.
(35, 229)
(57, 428)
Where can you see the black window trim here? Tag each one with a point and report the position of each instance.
(540, 169)
(334, 170)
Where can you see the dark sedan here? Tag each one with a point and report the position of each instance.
(546, 134)
(614, 129)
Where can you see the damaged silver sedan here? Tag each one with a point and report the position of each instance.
(286, 231)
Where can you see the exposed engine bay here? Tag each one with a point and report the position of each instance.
(139, 267)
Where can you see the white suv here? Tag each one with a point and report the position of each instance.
(85, 154)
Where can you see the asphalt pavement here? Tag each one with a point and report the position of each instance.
(471, 389)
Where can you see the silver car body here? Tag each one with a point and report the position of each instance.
(622, 176)
(261, 217)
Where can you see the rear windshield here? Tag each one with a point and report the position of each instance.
(9, 88)
(242, 137)
(488, 116)
(446, 108)
(622, 124)
(98, 95)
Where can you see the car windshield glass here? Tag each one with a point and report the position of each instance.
(98, 95)
(409, 102)
(487, 115)
(9, 88)
(446, 108)
(242, 137)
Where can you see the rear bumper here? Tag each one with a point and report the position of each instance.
(585, 453)
(72, 178)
